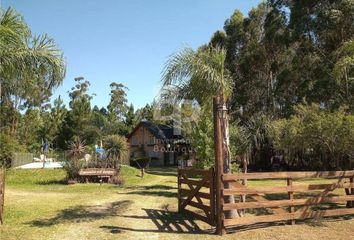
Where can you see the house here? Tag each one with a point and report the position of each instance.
(158, 142)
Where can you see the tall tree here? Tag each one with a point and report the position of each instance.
(201, 75)
(30, 66)
(117, 106)
(80, 104)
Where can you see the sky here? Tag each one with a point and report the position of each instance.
(125, 41)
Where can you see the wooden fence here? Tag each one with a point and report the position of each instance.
(2, 194)
(301, 196)
(295, 200)
(196, 194)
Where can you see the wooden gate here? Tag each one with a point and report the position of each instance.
(295, 200)
(2, 195)
(196, 194)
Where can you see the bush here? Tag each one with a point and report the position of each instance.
(140, 162)
(75, 162)
(8, 145)
(118, 179)
(116, 147)
(72, 168)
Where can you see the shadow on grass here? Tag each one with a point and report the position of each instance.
(165, 222)
(83, 214)
(52, 182)
(152, 187)
(162, 171)
(322, 222)
(153, 193)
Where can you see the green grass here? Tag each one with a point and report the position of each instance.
(54, 180)
(39, 205)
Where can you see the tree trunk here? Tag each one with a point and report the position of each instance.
(142, 172)
(224, 124)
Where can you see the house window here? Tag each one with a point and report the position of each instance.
(151, 140)
(134, 140)
(152, 154)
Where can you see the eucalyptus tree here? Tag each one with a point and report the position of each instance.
(118, 103)
(80, 104)
(53, 121)
(343, 70)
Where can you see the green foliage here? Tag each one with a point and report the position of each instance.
(316, 138)
(202, 140)
(140, 162)
(75, 162)
(197, 75)
(30, 127)
(147, 113)
(53, 121)
(80, 107)
(31, 67)
(235, 167)
(116, 147)
(285, 52)
(117, 106)
(9, 145)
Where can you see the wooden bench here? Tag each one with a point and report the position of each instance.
(102, 173)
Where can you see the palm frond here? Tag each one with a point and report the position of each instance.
(198, 75)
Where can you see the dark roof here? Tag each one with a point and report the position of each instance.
(160, 131)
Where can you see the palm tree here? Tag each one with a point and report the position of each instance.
(201, 75)
(116, 147)
(30, 66)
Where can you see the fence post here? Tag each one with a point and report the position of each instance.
(2, 195)
(351, 191)
(219, 168)
(212, 195)
(291, 197)
(179, 189)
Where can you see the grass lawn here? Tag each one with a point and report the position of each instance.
(39, 205)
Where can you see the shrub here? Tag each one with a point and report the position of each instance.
(140, 162)
(72, 168)
(9, 145)
(75, 162)
(116, 147)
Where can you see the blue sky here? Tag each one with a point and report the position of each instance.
(125, 41)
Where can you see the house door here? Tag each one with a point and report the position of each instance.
(171, 158)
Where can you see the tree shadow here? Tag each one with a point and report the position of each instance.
(309, 222)
(153, 193)
(153, 187)
(162, 171)
(83, 214)
(165, 222)
(52, 182)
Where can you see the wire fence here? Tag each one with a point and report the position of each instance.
(19, 159)
(23, 158)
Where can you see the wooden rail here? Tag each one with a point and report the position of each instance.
(295, 200)
(318, 195)
(286, 175)
(190, 185)
(2, 194)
